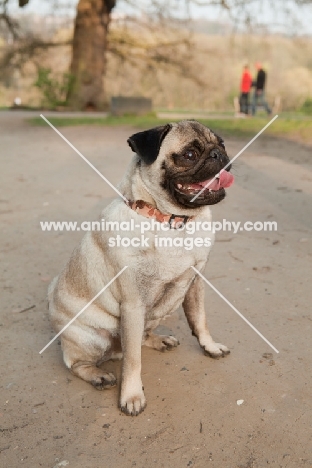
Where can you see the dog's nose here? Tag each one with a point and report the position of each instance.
(216, 154)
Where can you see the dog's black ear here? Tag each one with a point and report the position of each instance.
(147, 144)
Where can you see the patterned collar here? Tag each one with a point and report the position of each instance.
(149, 211)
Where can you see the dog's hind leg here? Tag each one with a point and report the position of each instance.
(158, 342)
(83, 360)
(89, 372)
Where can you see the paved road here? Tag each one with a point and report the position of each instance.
(51, 418)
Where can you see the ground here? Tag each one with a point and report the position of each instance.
(50, 418)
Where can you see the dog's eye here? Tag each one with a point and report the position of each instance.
(190, 155)
(221, 143)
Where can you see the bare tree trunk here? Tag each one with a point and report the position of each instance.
(88, 54)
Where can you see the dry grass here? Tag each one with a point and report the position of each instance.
(218, 61)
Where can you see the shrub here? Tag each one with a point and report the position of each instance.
(306, 107)
(54, 89)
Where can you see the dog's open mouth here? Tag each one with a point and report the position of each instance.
(211, 190)
(215, 184)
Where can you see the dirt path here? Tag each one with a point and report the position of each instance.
(50, 418)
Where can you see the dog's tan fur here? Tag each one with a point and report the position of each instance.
(156, 282)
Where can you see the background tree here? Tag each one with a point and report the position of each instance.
(89, 53)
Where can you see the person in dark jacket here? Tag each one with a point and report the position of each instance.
(259, 94)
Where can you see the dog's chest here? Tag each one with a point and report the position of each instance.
(165, 277)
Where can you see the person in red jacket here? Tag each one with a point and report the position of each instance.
(245, 86)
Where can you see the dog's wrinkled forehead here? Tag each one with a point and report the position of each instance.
(170, 138)
(185, 132)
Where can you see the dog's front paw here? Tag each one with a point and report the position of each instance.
(134, 404)
(215, 350)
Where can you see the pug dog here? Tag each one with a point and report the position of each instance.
(171, 165)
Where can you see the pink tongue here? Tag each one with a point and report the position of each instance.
(225, 180)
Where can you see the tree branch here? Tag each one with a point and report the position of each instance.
(16, 56)
(10, 23)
